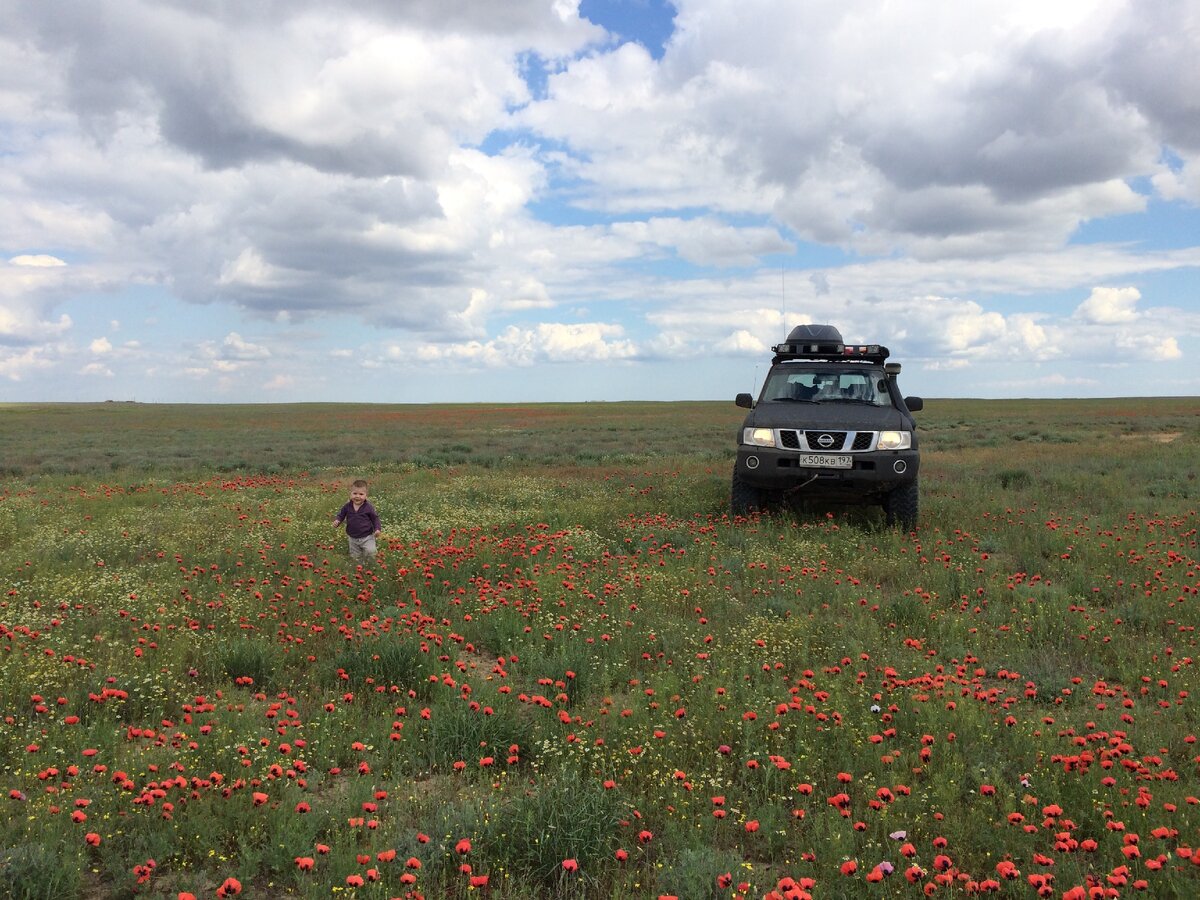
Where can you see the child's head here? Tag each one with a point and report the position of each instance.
(358, 491)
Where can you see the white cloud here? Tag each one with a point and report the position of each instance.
(37, 260)
(1110, 306)
(96, 369)
(1147, 347)
(235, 347)
(742, 343)
(544, 343)
(249, 270)
(22, 325)
(951, 142)
(232, 354)
(17, 364)
(101, 345)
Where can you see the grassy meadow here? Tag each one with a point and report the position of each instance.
(572, 674)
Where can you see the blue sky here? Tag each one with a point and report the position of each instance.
(543, 200)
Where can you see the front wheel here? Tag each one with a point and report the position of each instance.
(744, 498)
(902, 506)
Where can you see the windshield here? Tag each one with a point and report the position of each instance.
(859, 385)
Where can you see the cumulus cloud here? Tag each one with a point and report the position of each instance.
(1109, 306)
(17, 364)
(999, 120)
(235, 347)
(1147, 347)
(741, 343)
(232, 354)
(546, 342)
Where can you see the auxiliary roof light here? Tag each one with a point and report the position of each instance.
(829, 350)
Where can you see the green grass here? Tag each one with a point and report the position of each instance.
(569, 651)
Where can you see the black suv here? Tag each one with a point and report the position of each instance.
(830, 425)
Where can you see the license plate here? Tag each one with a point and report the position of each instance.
(825, 460)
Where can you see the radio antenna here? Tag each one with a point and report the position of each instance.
(783, 295)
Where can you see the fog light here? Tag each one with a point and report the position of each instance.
(900, 466)
(751, 462)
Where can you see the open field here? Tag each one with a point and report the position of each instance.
(573, 675)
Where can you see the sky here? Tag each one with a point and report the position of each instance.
(407, 201)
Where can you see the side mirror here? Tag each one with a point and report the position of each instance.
(914, 404)
(745, 401)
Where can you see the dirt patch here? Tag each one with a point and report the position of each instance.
(1156, 437)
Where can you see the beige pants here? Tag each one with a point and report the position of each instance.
(362, 549)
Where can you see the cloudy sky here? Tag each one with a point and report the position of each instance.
(470, 200)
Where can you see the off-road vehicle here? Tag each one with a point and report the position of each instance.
(830, 425)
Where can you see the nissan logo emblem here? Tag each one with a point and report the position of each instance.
(825, 440)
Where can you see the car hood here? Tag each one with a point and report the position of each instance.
(832, 415)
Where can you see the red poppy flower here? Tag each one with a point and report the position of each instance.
(570, 865)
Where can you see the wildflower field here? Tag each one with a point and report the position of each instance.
(572, 674)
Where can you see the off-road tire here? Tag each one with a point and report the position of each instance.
(744, 498)
(902, 505)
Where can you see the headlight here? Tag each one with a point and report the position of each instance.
(894, 440)
(758, 437)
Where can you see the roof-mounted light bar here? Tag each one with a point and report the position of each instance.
(830, 351)
(816, 349)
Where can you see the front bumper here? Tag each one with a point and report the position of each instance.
(873, 473)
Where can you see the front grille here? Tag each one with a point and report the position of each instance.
(809, 441)
(835, 440)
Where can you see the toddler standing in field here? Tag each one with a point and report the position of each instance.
(362, 523)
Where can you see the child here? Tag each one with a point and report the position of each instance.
(362, 523)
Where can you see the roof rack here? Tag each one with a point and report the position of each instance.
(834, 351)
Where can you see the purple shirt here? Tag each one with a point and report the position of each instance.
(360, 522)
